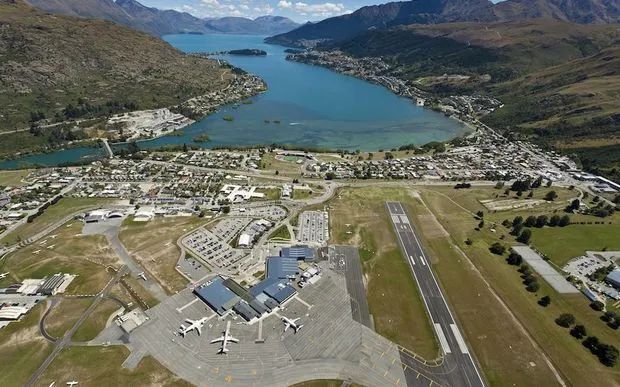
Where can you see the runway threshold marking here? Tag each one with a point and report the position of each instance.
(442, 338)
(459, 338)
(412, 260)
(423, 260)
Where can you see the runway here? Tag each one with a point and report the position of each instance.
(459, 366)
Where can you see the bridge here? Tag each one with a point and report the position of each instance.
(107, 147)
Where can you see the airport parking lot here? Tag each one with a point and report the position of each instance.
(273, 213)
(313, 227)
(227, 228)
(209, 248)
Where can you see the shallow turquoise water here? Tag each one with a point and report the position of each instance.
(316, 108)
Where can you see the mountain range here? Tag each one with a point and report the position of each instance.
(54, 66)
(394, 14)
(158, 22)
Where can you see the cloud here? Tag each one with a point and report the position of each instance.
(210, 3)
(284, 4)
(320, 9)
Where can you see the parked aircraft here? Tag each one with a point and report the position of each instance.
(3, 275)
(142, 275)
(291, 323)
(225, 339)
(194, 325)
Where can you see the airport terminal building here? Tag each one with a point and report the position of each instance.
(224, 295)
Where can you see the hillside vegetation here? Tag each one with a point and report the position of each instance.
(559, 81)
(58, 68)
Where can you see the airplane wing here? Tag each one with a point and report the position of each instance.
(189, 321)
(232, 339)
(295, 320)
(219, 339)
(287, 326)
(199, 330)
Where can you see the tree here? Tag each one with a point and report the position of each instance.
(554, 220)
(517, 220)
(226, 209)
(551, 196)
(480, 214)
(468, 242)
(514, 259)
(330, 176)
(530, 221)
(516, 230)
(544, 301)
(565, 320)
(564, 221)
(592, 343)
(607, 354)
(185, 149)
(524, 269)
(578, 332)
(573, 206)
(481, 224)
(533, 287)
(597, 305)
(541, 221)
(530, 195)
(497, 248)
(525, 236)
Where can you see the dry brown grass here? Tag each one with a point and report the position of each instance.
(153, 244)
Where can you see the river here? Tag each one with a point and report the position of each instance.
(311, 106)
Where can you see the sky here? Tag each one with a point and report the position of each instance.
(298, 10)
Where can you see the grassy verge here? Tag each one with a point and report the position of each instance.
(153, 244)
(101, 366)
(393, 298)
(52, 214)
(65, 315)
(574, 362)
(270, 193)
(95, 323)
(281, 233)
(22, 349)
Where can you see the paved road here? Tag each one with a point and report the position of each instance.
(460, 367)
(66, 340)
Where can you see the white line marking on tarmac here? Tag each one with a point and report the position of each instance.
(423, 261)
(412, 260)
(186, 305)
(459, 338)
(442, 338)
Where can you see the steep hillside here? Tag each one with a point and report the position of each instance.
(390, 15)
(129, 13)
(50, 63)
(502, 50)
(578, 11)
(384, 16)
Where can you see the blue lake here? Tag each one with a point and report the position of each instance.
(316, 107)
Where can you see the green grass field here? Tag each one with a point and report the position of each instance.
(65, 315)
(573, 361)
(69, 252)
(54, 213)
(393, 297)
(101, 366)
(22, 349)
(270, 193)
(281, 233)
(561, 244)
(96, 321)
(13, 178)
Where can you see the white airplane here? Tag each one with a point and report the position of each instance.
(225, 339)
(291, 323)
(142, 275)
(52, 384)
(3, 275)
(194, 325)
(72, 383)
